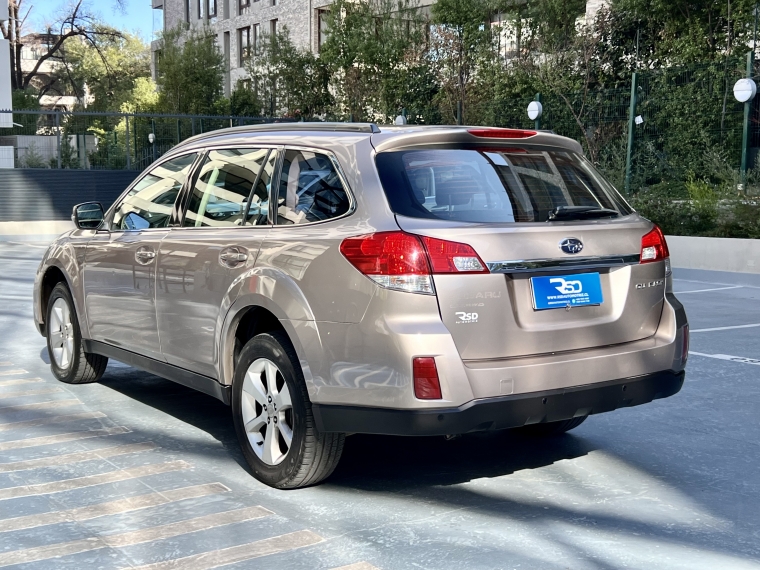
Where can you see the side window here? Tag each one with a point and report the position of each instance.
(310, 189)
(221, 192)
(149, 204)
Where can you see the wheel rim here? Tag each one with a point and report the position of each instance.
(61, 334)
(267, 411)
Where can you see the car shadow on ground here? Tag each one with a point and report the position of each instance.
(371, 462)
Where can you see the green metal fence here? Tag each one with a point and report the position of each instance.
(105, 141)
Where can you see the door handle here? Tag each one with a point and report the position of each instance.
(144, 256)
(232, 256)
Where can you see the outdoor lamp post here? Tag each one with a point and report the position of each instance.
(152, 141)
(535, 110)
(744, 91)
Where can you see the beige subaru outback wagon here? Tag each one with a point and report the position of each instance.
(330, 279)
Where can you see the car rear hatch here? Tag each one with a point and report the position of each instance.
(570, 283)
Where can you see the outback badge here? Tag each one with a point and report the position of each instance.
(571, 245)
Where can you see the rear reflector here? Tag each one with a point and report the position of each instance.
(426, 384)
(685, 346)
(502, 133)
(654, 247)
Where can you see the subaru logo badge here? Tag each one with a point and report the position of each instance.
(571, 245)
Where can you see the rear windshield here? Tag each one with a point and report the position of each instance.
(492, 185)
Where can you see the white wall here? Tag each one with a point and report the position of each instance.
(716, 254)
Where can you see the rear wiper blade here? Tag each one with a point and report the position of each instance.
(580, 213)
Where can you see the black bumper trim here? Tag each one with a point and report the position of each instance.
(502, 412)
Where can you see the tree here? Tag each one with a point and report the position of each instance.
(374, 47)
(109, 70)
(190, 72)
(75, 22)
(287, 80)
(459, 42)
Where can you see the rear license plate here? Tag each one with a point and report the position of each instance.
(566, 291)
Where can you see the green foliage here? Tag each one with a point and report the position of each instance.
(108, 70)
(32, 158)
(375, 58)
(26, 99)
(286, 80)
(190, 72)
(244, 102)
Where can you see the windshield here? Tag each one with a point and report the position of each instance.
(492, 184)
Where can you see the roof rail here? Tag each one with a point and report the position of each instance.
(335, 127)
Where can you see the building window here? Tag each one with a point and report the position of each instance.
(256, 36)
(201, 9)
(243, 4)
(211, 8)
(187, 11)
(244, 45)
(273, 27)
(321, 28)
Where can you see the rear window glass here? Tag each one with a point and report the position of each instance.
(492, 185)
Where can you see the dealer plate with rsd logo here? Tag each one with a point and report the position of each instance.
(565, 291)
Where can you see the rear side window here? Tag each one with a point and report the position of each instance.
(310, 189)
(222, 191)
(491, 184)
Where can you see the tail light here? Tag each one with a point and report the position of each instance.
(425, 374)
(405, 262)
(654, 247)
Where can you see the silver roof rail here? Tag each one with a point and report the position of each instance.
(298, 126)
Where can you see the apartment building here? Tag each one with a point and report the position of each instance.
(239, 23)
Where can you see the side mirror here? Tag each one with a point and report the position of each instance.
(88, 216)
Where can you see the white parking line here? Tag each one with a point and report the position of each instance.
(38, 406)
(241, 553)
(741, 359)
(61, 438)
(17, 381)
(358, 566)
(76, 457)
(124, 539)
(92, 480)
(113, 507)
(11, 372)
(708, 290)
(752, 326)
(39, 392)
(5, 363)
(51, 420)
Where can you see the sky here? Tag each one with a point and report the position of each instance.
(138, 16)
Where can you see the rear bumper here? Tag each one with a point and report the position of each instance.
(502, 412)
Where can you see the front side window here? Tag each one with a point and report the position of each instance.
(310, 189)
(223, 189)
(494, 185)
(149, 204)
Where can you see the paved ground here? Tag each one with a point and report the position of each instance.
(136, 471)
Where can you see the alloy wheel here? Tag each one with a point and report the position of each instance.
(61, 334)
(267, 411)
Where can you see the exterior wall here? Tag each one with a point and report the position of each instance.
(299, 16)
(716, 254)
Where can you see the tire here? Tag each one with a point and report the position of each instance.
(68, 360)
(311, 456)
(552, 428)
